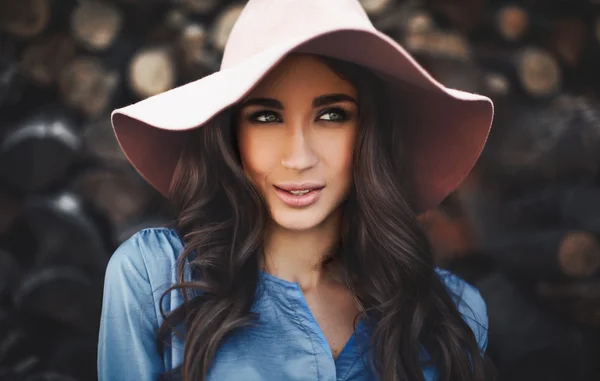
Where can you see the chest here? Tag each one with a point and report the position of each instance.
(289, 344)
(334, 311)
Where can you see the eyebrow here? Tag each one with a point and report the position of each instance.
(319, 101)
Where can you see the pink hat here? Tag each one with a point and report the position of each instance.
(448, 127)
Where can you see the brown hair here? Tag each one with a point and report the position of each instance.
(386, 257)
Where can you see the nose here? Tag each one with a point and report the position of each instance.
(298, 155)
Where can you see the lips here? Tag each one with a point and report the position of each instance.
(299, 195)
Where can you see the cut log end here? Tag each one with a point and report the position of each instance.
(404, 19)
(96, 24)
(539, 72)
(496, 84)
(195, 59)
(579, 254)
(25, 18)
(201, 6)
(569, 39)
(375, 8)
(175, 19)
(43, 59)
(86, 86)
(223, 26)
(101, 143)
(152, 71)
(511, 22)
(119, 195)
(438, 44)
(463, 15)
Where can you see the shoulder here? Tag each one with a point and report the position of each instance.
(149, 255)
(470, 304)
(138, 273)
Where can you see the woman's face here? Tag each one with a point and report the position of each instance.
(296, 134)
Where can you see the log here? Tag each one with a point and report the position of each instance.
(547, 365)
(438, 44)
(45, 57)
(152, 71)
(463, 15)
(579, 254)
(16, 340)
(12, 78)
(49, 376)
(20, 368)
(37, 152)
(87, 86)
(170, 27)
(18, 241)
(568, 40)
(404, 19)
(10, 209)
(458, 73)
(495, 84)
(511, 22)
(62, 294)
(576, 300)
(538, 71)
(376, 8)
(74, 355)
(9, 276)
(196, 60)
(202, 7)
(451, 237)
(537, 143)
(25, 18)
(12, 84)
(223, 25)
(96, 24)
(520, 327)
(597, 30)
(68, 233)
(120, 194)
(546, 253)
(533, 69)
(100, 143)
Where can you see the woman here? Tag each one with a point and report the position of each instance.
(297, 254)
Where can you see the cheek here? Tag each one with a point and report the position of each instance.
(257, 161)
(338, 156)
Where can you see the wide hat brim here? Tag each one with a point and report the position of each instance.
(446, 129)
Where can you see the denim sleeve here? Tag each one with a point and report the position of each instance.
(126, 346)
(470, 304)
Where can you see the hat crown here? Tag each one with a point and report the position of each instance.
(267, 23)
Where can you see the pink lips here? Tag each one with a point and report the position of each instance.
(302, 198)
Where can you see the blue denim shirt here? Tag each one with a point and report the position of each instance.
(287, 344)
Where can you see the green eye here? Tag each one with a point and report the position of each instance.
(266, 117)
(334, 115)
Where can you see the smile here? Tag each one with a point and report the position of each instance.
(299, 195)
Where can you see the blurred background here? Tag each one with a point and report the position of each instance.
(524, 227)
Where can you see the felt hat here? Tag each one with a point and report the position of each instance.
(447, 128)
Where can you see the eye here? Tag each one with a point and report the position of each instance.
(334, 115)
(265, 117)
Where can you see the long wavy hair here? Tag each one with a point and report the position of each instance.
(385, 255)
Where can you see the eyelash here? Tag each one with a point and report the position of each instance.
(337, 110)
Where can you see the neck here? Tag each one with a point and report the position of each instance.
(298, 256)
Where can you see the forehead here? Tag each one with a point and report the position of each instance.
(301, 75)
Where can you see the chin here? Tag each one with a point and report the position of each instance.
(298, 220)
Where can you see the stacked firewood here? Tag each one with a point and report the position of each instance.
(524, 227)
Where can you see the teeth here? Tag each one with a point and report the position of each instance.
(299, 192)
